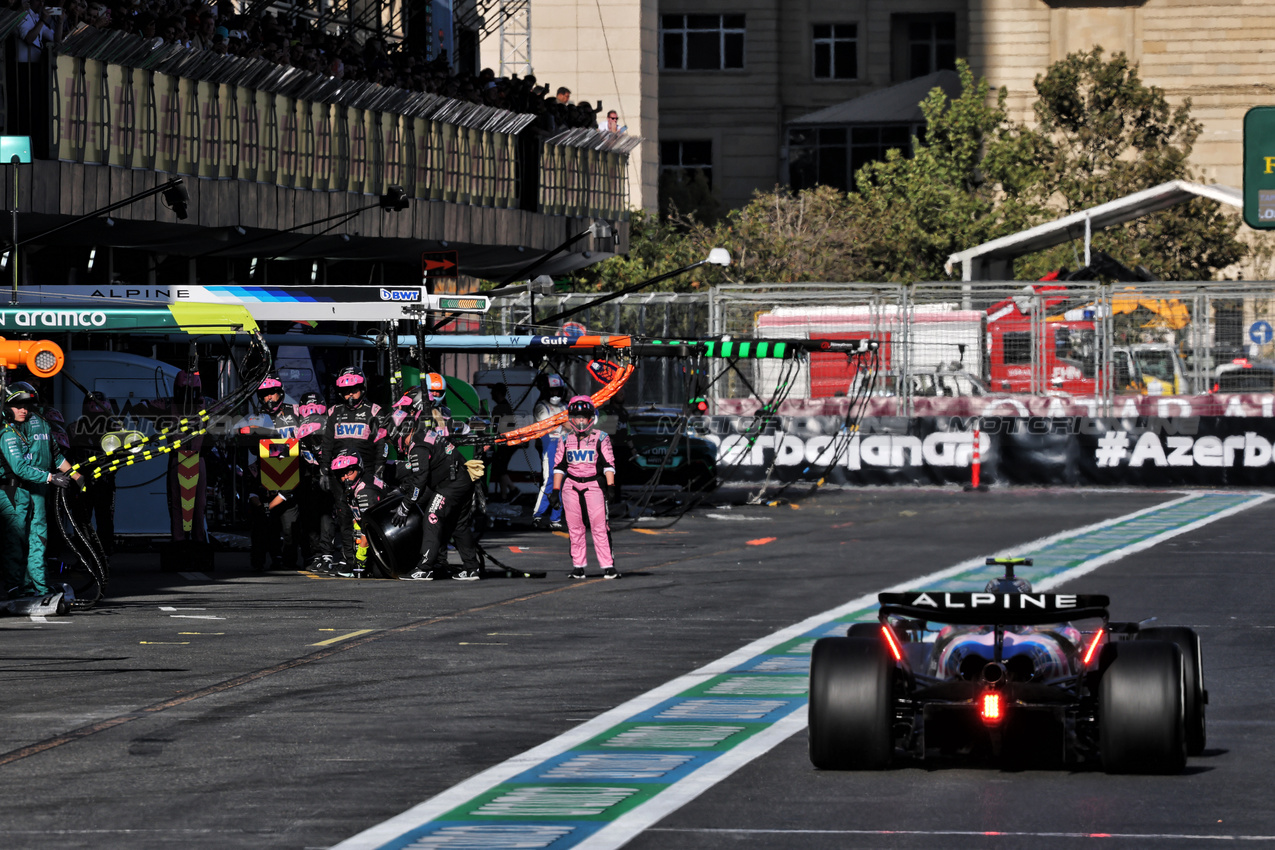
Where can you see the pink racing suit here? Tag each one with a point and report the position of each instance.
(583, 458)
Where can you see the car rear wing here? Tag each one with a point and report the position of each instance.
(1008, 609)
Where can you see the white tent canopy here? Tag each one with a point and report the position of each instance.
(994, 260)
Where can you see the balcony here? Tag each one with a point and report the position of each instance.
(272, 155)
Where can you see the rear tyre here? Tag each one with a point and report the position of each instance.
(1188, 643)
(851, 711)
(1141, 711)
(864, 630)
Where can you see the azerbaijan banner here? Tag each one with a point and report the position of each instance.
(1210, 451)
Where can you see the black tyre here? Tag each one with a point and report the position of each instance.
(864, 630)
(1188, 643)
(1141, 711)
(851, 711)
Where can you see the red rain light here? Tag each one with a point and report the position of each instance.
(1093, 646)
(990, 707)
(892, 641)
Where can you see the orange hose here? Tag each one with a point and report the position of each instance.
(527, 433)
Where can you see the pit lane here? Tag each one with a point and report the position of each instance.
(148, 727)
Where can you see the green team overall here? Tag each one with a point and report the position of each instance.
(30, 463)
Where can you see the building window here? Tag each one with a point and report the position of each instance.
(830, 156)
(836, 51)
(680, 160)
(817, 156)
(922, 44)
(702, 42)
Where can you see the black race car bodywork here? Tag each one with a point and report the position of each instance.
(664, 448)
(1011, 676)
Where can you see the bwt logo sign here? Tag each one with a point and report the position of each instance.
(400, 295)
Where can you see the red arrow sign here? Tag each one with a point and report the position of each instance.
(439, 264)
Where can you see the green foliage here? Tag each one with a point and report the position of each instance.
(968, 181)
(688, 196)
(1105, 134)
(977, 175)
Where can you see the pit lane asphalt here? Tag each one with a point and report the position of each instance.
(130, 726)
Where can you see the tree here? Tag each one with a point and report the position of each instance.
(969, 180)
(974, 176)
(1103, 134)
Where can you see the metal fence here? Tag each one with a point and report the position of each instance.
(1080, 340)
(658, 315)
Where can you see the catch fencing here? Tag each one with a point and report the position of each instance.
(655, 315)
(1009, 348)
(1047, 348)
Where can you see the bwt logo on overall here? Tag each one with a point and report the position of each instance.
(400, 295)
(580, 456)
(351, 430)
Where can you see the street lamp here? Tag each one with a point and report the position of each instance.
(716, 257)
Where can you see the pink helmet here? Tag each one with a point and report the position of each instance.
(350, 377)
(187, 379)
(343, 462)
(311, 405)
(271, 382)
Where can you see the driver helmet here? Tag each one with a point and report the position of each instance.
(271, 386)
(581, 414)
(349, 382)
(311, 404)
(1007, 584)
(436, 387)
(96, 404)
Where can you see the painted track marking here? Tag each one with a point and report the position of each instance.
(340, 638)
(587, 787)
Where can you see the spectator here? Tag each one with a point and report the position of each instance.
(303, 44)
(205, 30)
(612, 124)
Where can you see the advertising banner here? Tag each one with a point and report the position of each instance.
(1210, 451)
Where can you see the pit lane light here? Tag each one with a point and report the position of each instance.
(113, 441)
(699, 405)
(42, 357)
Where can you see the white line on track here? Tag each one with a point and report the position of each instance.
(624, 828)
(1129, 836)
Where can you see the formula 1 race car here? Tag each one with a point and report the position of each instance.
(1006, 675)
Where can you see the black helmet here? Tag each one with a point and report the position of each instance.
(21, 391)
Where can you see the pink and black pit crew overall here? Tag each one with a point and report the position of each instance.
(583, 459)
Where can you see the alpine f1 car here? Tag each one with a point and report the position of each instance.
(1002, 673)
